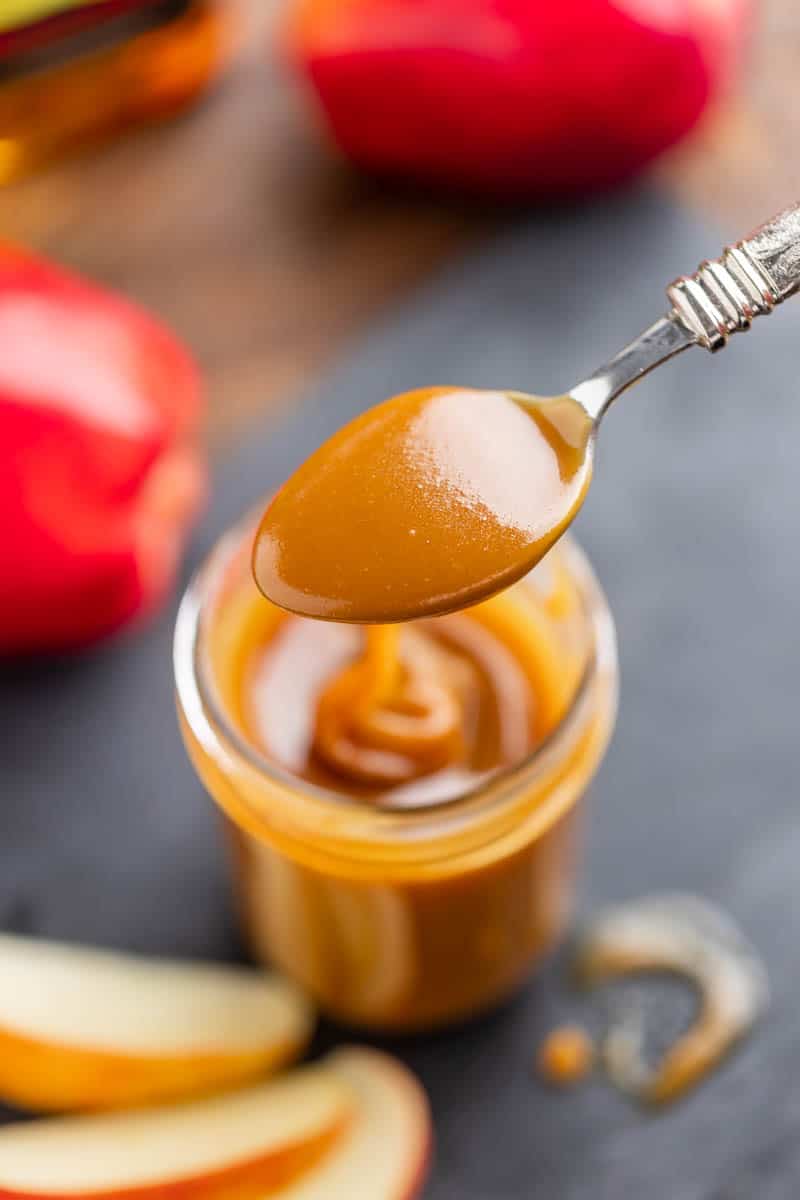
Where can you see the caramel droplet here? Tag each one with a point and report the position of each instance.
(566, 1056)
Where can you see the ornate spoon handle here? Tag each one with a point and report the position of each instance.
(722, 298)
(749, 279)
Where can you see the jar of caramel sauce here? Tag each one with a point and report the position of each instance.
(408, 865)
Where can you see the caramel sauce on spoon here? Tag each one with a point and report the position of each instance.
(427, 503)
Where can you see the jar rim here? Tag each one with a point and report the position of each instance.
(209, 722)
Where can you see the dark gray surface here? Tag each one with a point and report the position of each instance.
(693, 525)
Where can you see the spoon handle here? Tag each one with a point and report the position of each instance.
(749, 279)
(722, 298)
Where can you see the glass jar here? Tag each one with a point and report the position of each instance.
(402, 919)
(72, 72)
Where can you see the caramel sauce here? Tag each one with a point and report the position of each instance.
(425, 504)
(400, 714)
(428, 503)
(688, 937)
(402, 718)
(394, 910)
(566, 1056)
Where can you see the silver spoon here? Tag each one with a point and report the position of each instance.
(438, 498)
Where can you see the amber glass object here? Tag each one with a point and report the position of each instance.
(74, 71)
(397, 916)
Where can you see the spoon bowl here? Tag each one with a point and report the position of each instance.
(429, 502)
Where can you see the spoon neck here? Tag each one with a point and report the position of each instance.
(720, 299)
(663, 340)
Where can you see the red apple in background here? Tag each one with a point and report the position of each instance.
(520, 98)
(101, 471)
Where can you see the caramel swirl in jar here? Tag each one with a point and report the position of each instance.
(401, 713)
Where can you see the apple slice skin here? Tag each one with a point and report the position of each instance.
(250, 1180)
(250, 1177)
(365, 1162)
(49, 1062)
(44, 1077)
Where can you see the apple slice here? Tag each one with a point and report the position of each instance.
(90, 1029)
(248, 1143)
(386, 1152)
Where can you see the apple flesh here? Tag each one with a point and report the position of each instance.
(384, 1155)
(90, 1029)
(516, 98)
(249, 1143)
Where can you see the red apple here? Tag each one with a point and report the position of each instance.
(520, 98)
(99, 415)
